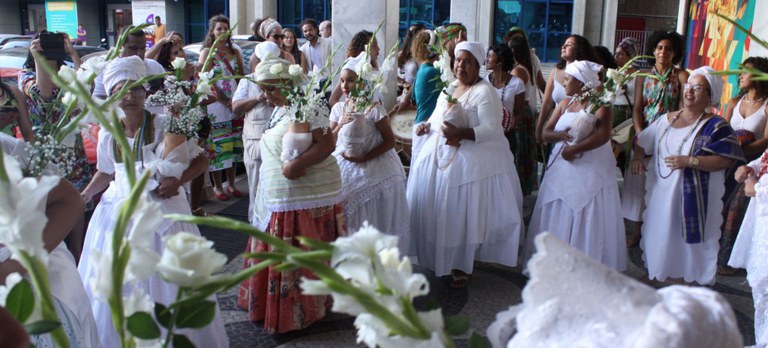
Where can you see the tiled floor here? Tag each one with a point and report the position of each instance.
(491, 289)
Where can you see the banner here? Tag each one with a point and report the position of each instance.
(144, 11)
(61, 16)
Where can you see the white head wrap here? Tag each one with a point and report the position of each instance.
(715, 83)
(266, 49)
(432, 37)
(267, 26)
(356, 63)
(272, 69)
(476, 49)
(123, 69)
(585, 71)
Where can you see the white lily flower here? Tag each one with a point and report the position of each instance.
(67, 74)
(295, 70)
(101, 280)
(146, 218)
(189, 260)
(22, 210)
(178, 63)
(206, 76)
(91, 67)
(138, 301)
(204, 88)
(10, 281)
(363, 245)
(69, 98)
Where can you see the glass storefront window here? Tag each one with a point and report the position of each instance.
(426, 12)
(290, 13)
(547, 23)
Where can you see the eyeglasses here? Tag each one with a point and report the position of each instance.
(278, 36)
(268, 88)
(696, 87)
(137, 91)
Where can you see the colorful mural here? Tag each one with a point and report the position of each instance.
(717, 43)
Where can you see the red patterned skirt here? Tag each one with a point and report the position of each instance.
(275, 297)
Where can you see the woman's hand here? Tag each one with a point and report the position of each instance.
(451, 132)
(564, 135)
(354, 159)
(637, 166)
(743, 173)
(35, 46)
(749, 187)
(346, 118)
(69, 48)
(677, 162)
(422, 129)
(569, 154)
(292, 171)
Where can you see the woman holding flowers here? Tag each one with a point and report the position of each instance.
(169, 154)
(471, 208)
(654, 97)
(585, 214)
(690, 150)
(356, 46)
(747, 115)
(225, 138)
(373, 179)
(297, 198)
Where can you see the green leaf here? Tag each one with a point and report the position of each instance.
(196, 315)
(163, 315)
(20, 301)
(142, 325)
(41, 327)
(456, 325)
(478, 341)
(181, 341)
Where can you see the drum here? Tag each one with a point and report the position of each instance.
(402, 127)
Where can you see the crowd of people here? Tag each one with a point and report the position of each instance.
(691, 168)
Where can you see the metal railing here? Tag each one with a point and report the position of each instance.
(642, 37)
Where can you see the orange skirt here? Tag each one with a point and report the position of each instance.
(275, 297)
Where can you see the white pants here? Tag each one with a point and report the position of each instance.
(252, 161)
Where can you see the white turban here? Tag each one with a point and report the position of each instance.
(272, 69)
(715, 83)
(123, 69)
(356, 63)
(476, 49)
(266, 49)
(267, 26)
(585, 71)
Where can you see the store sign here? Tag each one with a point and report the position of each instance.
(61, 16)
(144, 11)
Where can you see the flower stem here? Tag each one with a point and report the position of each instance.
(39, 275)
(174, 316)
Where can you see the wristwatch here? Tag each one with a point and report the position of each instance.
(693, 161)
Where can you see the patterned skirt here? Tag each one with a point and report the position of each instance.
(734, 210)
(522, 142)
(275, 297)
(222, 145)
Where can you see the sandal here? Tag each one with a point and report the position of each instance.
(202, 212)
(220, 195)
(459, 279)
(234, 192)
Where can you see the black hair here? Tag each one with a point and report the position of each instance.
(209, 38)
(677, 41)
(584, 50)
(521, 52)
(504, 56)
(164, 56)
(605, 57)
(309, 21)
(759, 63)
(405, 50)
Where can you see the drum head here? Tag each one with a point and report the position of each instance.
(402, 125)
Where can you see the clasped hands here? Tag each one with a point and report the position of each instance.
(746, 175)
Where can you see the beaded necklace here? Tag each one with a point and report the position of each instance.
(143, 137)
(665, 138)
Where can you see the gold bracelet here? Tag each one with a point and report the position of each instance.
(693, 161)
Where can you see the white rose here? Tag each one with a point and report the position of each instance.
(67, 74)
(69, 98)
(204, 88)
(189, 260)
(179, 63)
(295, 70)
(276, 69)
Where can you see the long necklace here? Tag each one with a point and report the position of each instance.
(274, 121)
(756, 100)
(139, 140)
(665, 138)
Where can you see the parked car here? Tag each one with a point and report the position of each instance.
(13, 43)
(192, 51)
(9, 75)
(15, 57)
(6, 38)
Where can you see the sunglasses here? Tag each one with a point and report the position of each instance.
(278, 36)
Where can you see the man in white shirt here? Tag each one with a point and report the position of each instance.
(325, 29)
(316, 50)
(250, 100)
(135, 45)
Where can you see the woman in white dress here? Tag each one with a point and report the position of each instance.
(751, 248)
(471, 208)
(690, 150)
(63, 207)
(373, 183)
(150, 143)
(583, 212)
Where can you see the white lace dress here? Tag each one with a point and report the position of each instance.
(750, 251)
(585, 212)
(471, 209)
(373, 191)
(665, 252)
(99, 234)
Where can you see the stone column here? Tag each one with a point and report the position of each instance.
(477, 16)
(351, 16)
(245, 12)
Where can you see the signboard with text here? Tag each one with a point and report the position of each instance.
(145, 11)
(61, 16)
